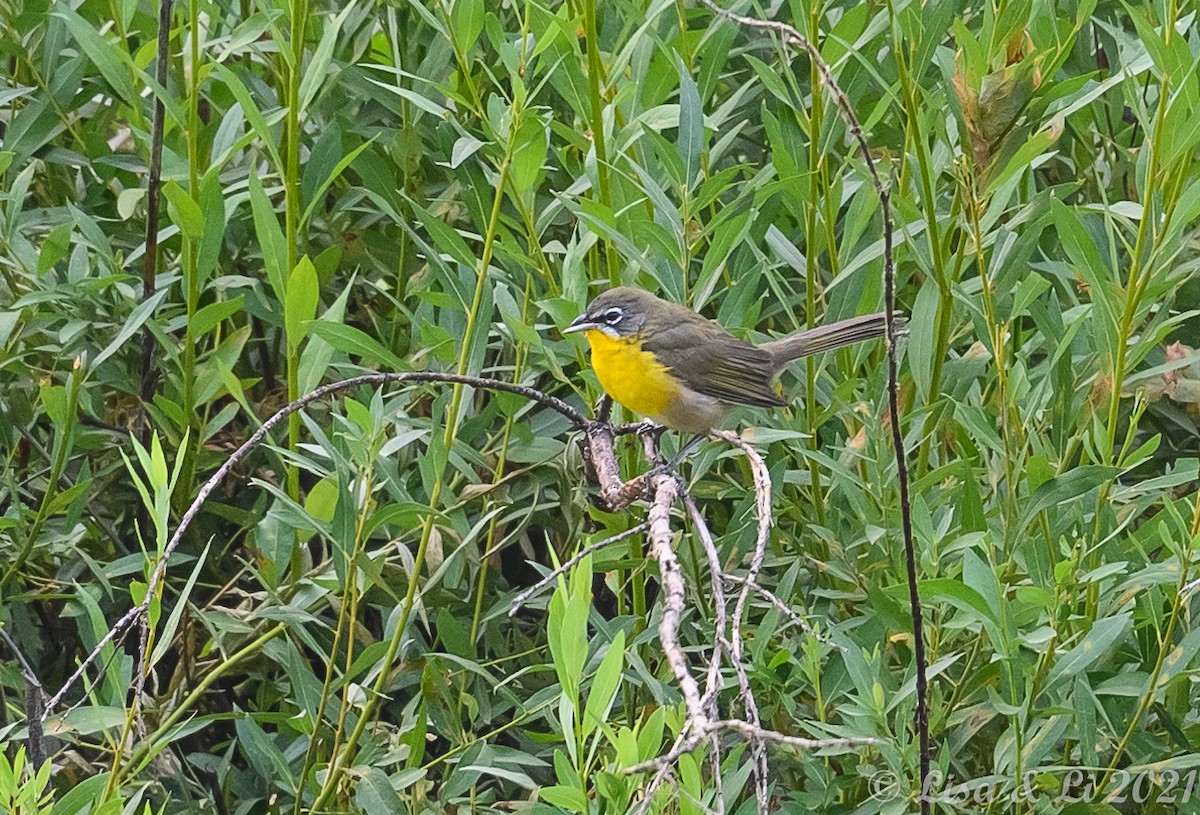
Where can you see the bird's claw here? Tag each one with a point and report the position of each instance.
(649, 427)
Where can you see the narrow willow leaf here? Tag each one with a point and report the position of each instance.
(690, 142)
(605, 684)
(300, 304)
(270, 237)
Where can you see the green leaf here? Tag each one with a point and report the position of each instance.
(922, 326)
(374, 794)
(350, 340)
(212, 315)
(444, 238)
(529, 154)
(319, 194)
(571, 799)
(212, 205)
(1032, 152)
(690, 142)
(650, 736)
(953, 592)
(404, 514)
(82, 796)
(318, 67)
(322, 499)
(132, 323)
(420, 101)
(1029, 289)
(253, 115)
(604, 686)
(300, 305)
(567, 630)
(455, 634)
(315, 359)
(466, 23)
(113, 63)
(54, 402)
(68, 496)
(184, 211)
(128, 200)
(261, 751)
(1104, 634)
(1180, 657)
(1066, 487)
(165, 638)
(270, 237)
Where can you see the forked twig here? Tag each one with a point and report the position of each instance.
(666, 489)
(701, 724)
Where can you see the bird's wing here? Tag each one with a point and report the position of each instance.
(711, 361)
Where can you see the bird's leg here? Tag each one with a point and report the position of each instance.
(670, 466)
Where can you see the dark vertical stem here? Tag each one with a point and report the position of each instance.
(910, 553)
(153, 197)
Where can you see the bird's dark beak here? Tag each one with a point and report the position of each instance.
(581, 323)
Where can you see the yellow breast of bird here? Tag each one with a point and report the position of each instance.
(631, 376)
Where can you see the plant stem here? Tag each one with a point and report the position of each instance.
(595, 83)
(293, 209)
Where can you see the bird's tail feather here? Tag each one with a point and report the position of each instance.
(828, 337)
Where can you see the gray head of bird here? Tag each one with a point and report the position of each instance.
(618, 312)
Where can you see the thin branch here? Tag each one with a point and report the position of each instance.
(799, 742)
(713, 686)
(783, 607)
(762, 503)
(661, 774)
(749, 731)
(753, 724)
(139, 612)
(522, 598)
(714, 764)
(34, 703)
(666, 488)
(26, 669)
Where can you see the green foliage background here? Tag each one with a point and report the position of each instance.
(442, 185)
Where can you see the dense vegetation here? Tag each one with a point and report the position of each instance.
(441, 185)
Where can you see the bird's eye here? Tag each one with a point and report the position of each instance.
(613, 316)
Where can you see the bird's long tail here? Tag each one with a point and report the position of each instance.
(827, 337)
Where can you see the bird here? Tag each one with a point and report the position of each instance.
(669, 364)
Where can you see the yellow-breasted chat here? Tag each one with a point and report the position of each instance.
(664, 361)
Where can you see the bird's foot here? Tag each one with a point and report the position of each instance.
(651, 428)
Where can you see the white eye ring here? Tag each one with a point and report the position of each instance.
(613, 316)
